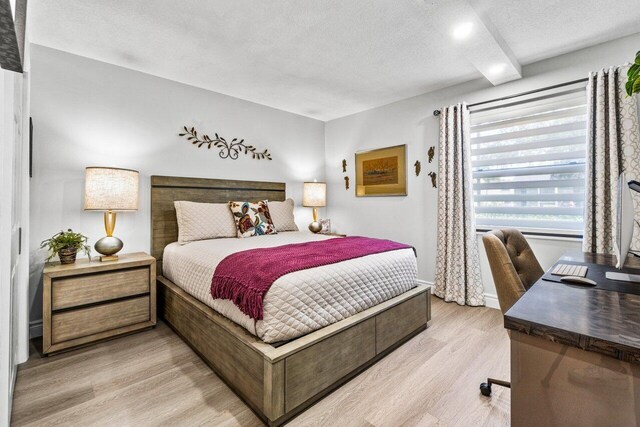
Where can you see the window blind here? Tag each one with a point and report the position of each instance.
(528, 162)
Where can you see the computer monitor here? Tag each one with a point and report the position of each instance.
(625, 221)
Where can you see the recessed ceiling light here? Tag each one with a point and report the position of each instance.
(462, 31)
(497, 68)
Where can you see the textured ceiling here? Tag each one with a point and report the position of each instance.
(537, 30)
(323, 59)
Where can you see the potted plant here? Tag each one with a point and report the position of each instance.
(633, 77)
(66, 245)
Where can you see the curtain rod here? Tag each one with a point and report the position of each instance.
(529, 92)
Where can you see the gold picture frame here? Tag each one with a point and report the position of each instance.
(381, 172)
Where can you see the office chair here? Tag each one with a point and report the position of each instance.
(515, 269)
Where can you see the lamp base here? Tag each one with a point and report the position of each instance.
(315, 227)
(108, 246)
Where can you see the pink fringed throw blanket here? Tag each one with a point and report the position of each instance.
(245, 277)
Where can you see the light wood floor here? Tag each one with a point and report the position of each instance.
(153, 378)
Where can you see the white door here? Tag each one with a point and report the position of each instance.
(13, 253)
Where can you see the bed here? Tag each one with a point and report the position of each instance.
(277, 370)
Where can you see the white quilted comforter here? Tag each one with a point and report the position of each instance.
(299, 302)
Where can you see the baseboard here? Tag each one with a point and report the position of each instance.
(425, 283)
(35, 329)
(12, 388)
(491, 301)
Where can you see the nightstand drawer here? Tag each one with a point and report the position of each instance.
(74, 291)
(92, 320)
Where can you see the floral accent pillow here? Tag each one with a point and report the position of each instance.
(252, 219)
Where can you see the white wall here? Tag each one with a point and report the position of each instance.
(412, 219)
(88, 113)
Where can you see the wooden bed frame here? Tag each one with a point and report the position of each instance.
(277, 382)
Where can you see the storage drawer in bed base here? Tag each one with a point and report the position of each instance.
(280, 382)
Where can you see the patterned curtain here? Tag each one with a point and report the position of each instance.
(457, 266)
(613, 146)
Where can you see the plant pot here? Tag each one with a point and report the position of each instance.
(67, 255)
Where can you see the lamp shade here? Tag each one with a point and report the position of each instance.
(314, 194)
(110, 189)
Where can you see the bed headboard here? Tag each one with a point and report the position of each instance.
(167, 189)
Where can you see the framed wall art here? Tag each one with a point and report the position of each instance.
(382, 172)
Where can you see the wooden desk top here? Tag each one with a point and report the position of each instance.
(598, 320)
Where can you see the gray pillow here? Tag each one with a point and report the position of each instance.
(201, 221)
(282, 215)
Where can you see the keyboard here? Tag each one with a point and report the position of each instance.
(570, 270)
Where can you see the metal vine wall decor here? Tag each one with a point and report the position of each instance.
(227, 149)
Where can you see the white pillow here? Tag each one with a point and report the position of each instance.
(282, 215)
(200, 221)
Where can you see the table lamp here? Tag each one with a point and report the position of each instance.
(314, 195)
(110, 190)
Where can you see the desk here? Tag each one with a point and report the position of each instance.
(575, 351)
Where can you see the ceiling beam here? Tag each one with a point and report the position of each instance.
(476, 38)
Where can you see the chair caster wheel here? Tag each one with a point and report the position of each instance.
(485, 389)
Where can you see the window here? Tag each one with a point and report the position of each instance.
(528, 160)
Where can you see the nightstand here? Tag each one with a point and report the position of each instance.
(334, 234)
(89, 301)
